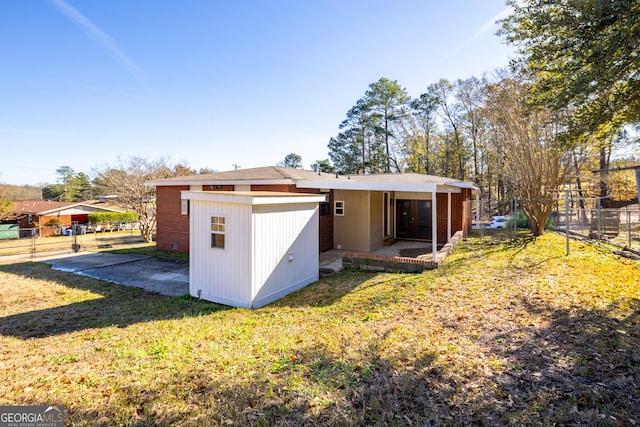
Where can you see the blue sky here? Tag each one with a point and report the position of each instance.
(213, 83)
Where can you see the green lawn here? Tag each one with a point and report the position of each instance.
(503, 334)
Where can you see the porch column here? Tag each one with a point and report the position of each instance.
(448, 217)
(637, 171)
(434, 226)
(478, 210)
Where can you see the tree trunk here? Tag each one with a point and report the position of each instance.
(538, 227)
(603, 177)
(583, 211)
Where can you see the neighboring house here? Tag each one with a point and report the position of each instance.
(352, 213)
(33, 216)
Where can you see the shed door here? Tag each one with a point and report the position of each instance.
(413, 219)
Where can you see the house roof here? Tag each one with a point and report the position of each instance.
(45, 207)
(271, 174)
(310, 179)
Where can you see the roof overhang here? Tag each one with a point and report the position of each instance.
(410, 182)
(253, 197)
(195, 181)
(348, 184)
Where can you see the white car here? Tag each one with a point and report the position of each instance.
(498, 221)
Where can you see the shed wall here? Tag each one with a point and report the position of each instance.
(278, 232)
(222, 275)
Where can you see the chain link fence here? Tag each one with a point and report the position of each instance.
(580, 218)
(617, 226)
(41, 241)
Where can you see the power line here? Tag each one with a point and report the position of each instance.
(26, 167)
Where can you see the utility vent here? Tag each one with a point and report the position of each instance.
(174, 246)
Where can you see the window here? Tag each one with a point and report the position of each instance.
(217, 232)
(184, 206)
(338, 208)
(324, 209)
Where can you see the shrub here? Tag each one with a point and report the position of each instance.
(522, 221)
(53, 222)
(108, 218)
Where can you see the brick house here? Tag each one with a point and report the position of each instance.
(254, 235)
(359, 212)
(33, 216)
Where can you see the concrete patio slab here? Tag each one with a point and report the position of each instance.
(163, 276)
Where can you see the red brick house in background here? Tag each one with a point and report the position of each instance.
(359, 213)
(35, 215)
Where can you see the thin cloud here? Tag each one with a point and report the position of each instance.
(34, 132)
(487, 26)
(100, 37)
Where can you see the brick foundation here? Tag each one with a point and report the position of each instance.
(373, 262)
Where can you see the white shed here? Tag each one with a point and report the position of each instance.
(248, 249)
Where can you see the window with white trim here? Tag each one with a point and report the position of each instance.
(184, 206)
(338, 208)
(217, 232)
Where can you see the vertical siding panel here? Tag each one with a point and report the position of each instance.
(221, 274)
(277, 234)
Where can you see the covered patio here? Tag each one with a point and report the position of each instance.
(402, 255)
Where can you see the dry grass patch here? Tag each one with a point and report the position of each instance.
(503, 334)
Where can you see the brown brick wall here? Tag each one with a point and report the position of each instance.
(441, 216)
(284, 188)
(326, 227)
(172, 227)
(457, 213)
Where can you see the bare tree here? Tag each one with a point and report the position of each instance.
(470, 94)
(417, 128)
(450, 111)
(535, 165)
(127, 180)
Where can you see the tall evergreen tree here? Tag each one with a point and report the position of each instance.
(292, 160)
(585, 56)
(423, 111)
(385, 100)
